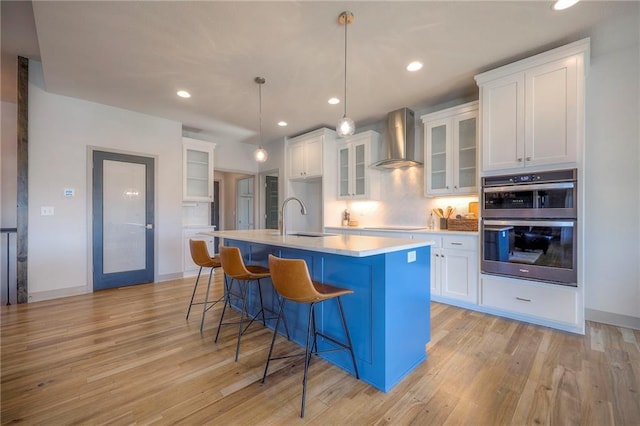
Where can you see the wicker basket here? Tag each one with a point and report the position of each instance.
(462, 225)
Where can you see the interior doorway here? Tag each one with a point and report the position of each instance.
(244, 203)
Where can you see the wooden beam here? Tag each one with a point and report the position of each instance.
(23, 180)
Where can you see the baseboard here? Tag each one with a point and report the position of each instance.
(612, 319)
(169, 277)
(38, 296)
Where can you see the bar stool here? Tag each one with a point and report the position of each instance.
(292, 281)
(202, 258)
(235, 269)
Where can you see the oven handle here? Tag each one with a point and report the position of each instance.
(535, 186)
(563, 223)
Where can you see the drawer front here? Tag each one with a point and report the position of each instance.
(550, 302)
(460, 242)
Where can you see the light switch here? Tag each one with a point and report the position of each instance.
(411, 256)
(46, 211)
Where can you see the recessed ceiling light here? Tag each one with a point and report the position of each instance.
(564, 4)
(414, 66)
(282, 123)
(183, 94)
(334, 101)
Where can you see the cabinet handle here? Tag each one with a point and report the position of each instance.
(523, 299)
(455, 186)
(456, 244)
(528, 158)
(519, 160)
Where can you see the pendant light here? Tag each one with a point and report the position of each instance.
(346, 126)
(260, 154)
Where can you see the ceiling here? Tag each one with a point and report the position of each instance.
(136, 55)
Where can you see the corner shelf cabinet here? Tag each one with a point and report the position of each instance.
(197, 170)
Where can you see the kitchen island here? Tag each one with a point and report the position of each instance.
(389, 313)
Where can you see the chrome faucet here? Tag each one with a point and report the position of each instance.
(303, 210)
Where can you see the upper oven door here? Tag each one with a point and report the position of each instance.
(531, 201)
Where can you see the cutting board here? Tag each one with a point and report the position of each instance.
(473, 208)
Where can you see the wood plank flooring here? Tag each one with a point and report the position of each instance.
(128, 356)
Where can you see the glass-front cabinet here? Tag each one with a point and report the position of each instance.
(450, 151)
(197, 170)
(354, 157)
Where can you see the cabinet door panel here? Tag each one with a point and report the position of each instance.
(359, 169)
(343, 172)
(464, 142)
(313, 157)
(551, 114)
(296, 161)
(439, 160)
(502, 123)
(458, 281)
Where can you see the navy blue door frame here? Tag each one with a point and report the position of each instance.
(124, 278)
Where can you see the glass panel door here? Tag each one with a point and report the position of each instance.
(467, 153)
(439, 157)
(123, 214)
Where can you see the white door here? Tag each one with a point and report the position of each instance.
(244, 204)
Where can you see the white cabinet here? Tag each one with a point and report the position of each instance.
(355, 179)
(305, 156)
(450, 151)
(533, 110)
(454, 268)
(190, 268)
(197, 170)
(544, 302)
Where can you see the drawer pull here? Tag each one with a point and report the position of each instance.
(523, 299)
(456, 244)
(524, 270)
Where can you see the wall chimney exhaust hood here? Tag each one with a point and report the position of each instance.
(398, 143)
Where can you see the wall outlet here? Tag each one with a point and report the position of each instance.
(46, 211)
(411, 256)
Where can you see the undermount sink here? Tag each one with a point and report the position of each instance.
(311, 234)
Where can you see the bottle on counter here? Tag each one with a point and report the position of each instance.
(345, 217)
(431, 223)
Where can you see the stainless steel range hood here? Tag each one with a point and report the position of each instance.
(398, 143)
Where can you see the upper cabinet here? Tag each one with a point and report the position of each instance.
(450, 151)
(355, 154)
(533, 110)
(305, 156)
(197, 170)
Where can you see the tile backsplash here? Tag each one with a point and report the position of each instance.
(195, 214)
(402, 201)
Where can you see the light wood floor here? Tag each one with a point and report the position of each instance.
(127, 356)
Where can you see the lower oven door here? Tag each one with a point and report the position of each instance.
(541, 250)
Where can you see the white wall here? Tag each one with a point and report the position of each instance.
(61, 130)
(612, 158)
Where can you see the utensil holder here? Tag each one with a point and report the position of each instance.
(444, 222)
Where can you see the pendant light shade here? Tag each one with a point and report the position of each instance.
(260, 154)
(346, 126)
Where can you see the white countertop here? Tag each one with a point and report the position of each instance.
(396, 229)
(346, 245)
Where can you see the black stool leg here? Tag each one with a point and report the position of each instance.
(273, 339)
(242, 316)
(307, 359)
(264, 322)
(346, 332)
(206, 301)
(195, 287)
(227, 301)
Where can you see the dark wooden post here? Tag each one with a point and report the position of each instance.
(23, 180)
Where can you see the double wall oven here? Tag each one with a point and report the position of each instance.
(529, 226)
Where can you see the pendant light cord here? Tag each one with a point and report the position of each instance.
(260, 110)
(346, 24)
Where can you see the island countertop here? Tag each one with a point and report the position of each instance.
(346, 245)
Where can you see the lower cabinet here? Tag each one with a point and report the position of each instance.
(454, 269)
(188, 267)
(546, 302)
